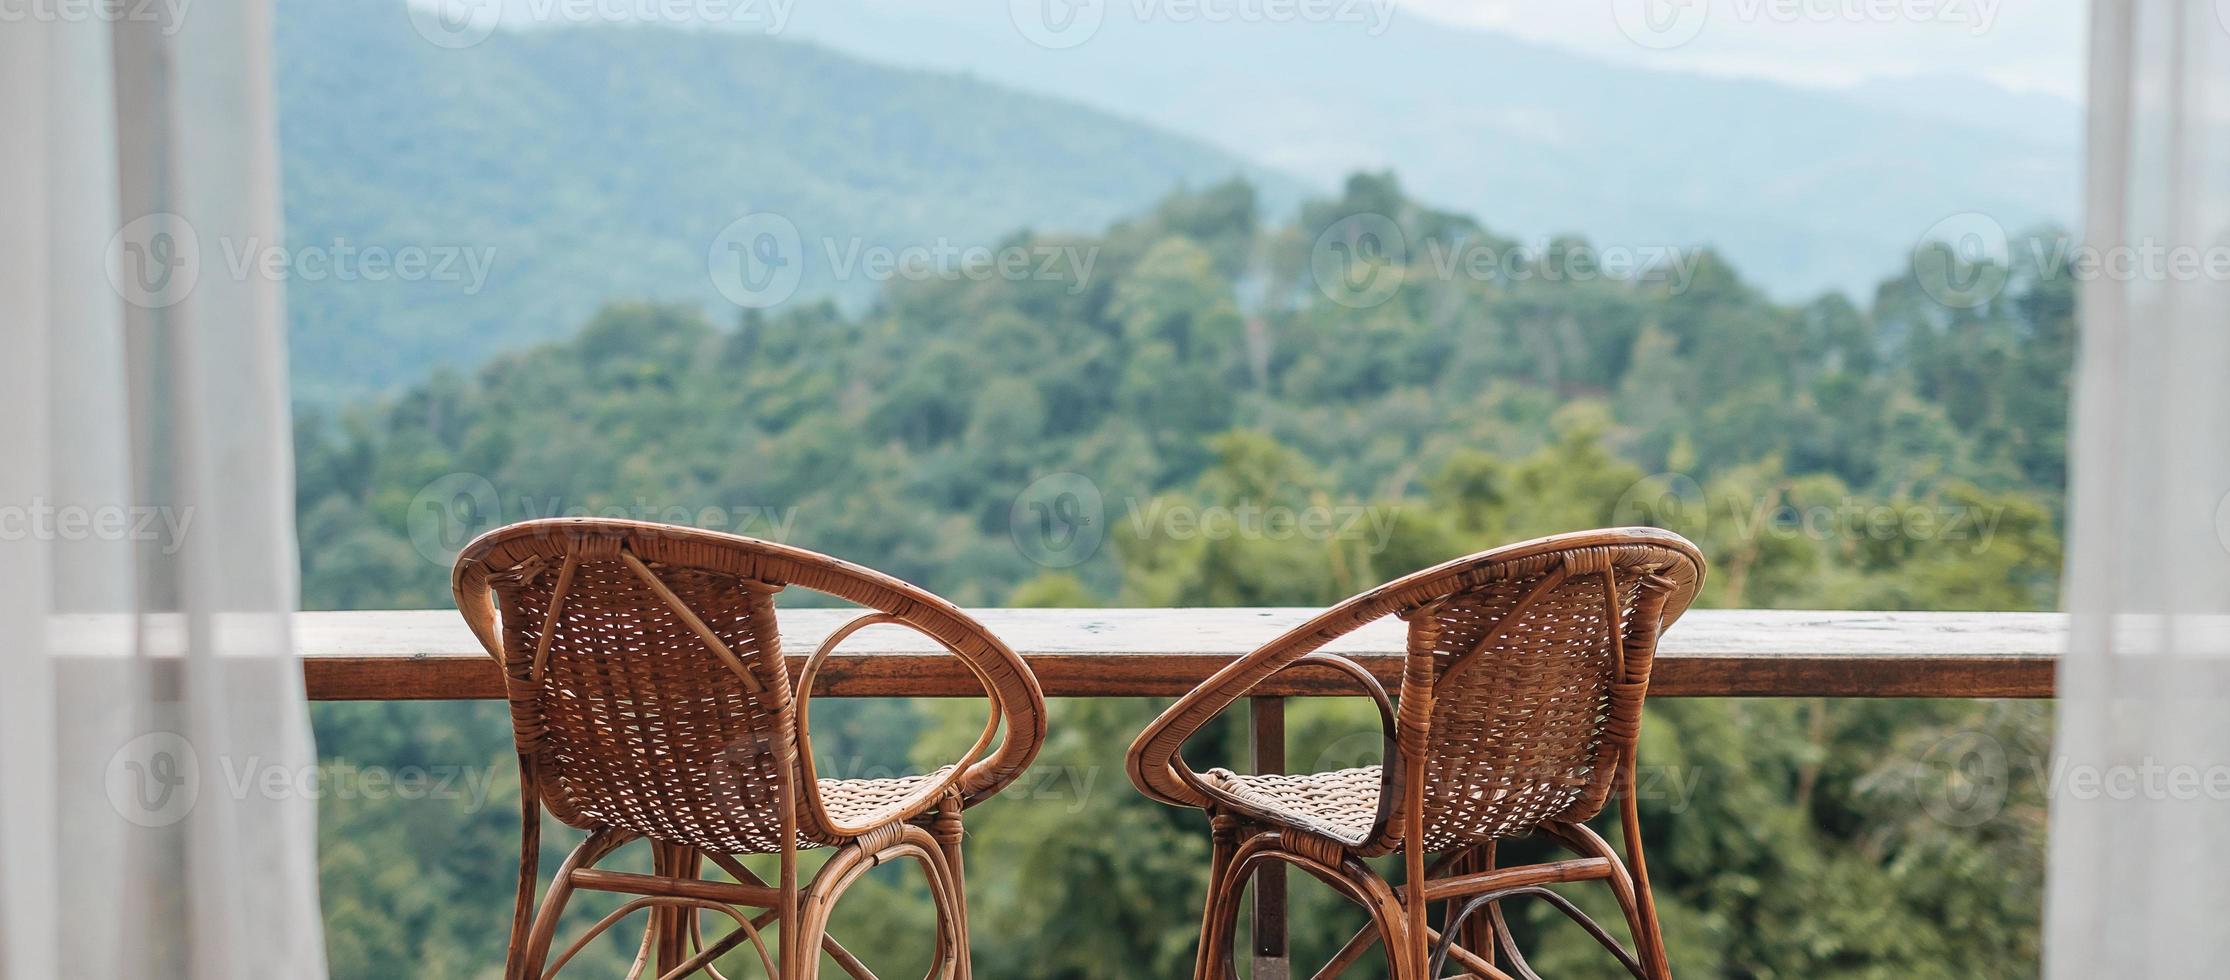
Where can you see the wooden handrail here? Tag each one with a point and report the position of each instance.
(430, 655)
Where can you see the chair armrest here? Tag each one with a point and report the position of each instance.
(922, 799)
(1363, 679)
(468, 584)
(1156, 760)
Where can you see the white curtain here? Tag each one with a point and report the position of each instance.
(2140, 862)
(156, 811)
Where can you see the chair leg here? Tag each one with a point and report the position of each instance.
(835, 950)
(947, 830)
(1224, 838)
(527, 960)
(1220, 942)
(846, 866)
(530, 855)
(1405, 953)
(1333, 865)
(1650, 938)
(669, 926)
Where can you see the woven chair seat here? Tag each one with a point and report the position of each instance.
(1341, 805)
(854, 802)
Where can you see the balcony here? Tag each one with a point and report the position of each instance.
(417, 655)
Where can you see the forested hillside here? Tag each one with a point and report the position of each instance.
(1905, 454)
(581, 163)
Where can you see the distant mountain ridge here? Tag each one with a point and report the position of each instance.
(1805, 189)
(599, 163)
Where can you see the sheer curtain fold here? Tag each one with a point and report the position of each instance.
(2141, 797)
(157, 793)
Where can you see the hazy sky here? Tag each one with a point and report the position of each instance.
(2026, 45)
(2023, 45)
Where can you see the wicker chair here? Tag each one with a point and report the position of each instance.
(650, 699)
(1521, 699)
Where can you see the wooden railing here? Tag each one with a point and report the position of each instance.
(429, 655)
(424, 655)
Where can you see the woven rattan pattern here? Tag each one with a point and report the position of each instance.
(637, 724)
(1517, 734)
(1523, 732)
(1339, 804)
(1516, 740)
(642, 726)
(1519, 708)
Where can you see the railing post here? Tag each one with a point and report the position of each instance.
(1272, 958)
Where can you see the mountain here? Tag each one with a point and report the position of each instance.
(1154, 441)
(2032, 117)
(912, 433)
(544, 172)
(1805, 189)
